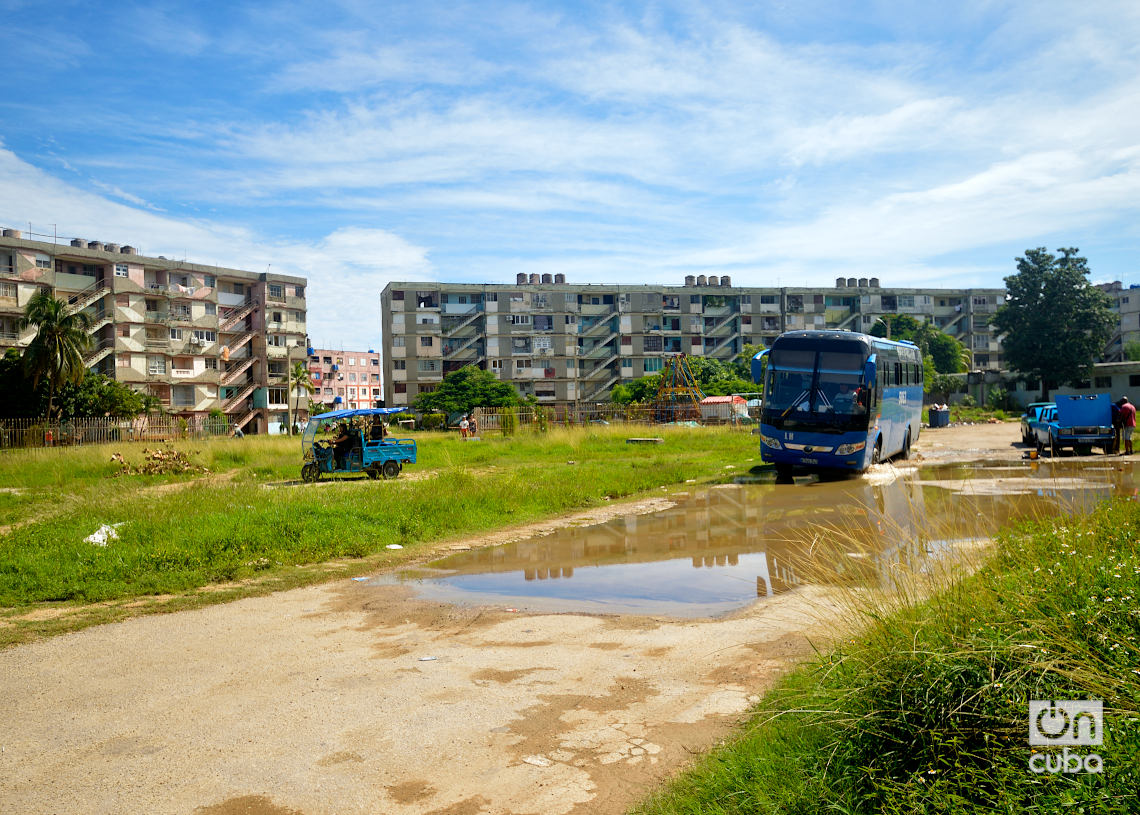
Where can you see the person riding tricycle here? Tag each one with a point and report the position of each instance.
(353, 441)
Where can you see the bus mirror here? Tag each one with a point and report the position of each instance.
(869, 371)
(758, 366)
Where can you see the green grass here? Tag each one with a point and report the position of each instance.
(927, 712)
(251, 522)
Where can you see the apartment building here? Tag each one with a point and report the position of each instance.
(565, 343)
(198, 338)
(345, 380)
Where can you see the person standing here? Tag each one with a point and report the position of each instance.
(463, 426)
(1116, 425)
(1127, 423)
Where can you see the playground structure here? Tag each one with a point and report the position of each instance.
(678, 396)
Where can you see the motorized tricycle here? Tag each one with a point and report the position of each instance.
(360, 445)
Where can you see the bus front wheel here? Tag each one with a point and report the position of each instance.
(905, 454)
(877, 453)
(784, 474)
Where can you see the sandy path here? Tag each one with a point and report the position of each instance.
(317, 700)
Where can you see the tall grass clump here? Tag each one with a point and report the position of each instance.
(926, 711)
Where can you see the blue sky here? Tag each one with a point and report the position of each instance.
(783, 143)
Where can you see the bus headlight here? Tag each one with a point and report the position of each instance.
(848, 449)
(771, 442)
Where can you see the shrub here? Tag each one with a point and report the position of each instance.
(433, 421)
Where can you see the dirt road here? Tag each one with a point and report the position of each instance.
(350, 697)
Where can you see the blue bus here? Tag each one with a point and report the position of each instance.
(837, 400)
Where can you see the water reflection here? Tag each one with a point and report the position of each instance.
(720, 549)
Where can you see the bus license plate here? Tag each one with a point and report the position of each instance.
(809, 460)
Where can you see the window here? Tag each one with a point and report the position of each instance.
(124, 331)
(121, 270)
(1134, 380)
(277, 317)
(352, 377)
(542, 343)
(276, 368)
(211, 309)
(627, 363)
(428, 365)
(43, 262)
(651, 343)
(397, 295)
(352, 360)
(155, 365)
(375, 391)
(375, 361)
(123, 361)
(522, 364)
(767, 299)
(375, 377)
(491, 297)
(315, 376)
(182, 396)
(176, 333)
(276, 291)
(906, 301)
(211, 364)
(327, 392)
(981, 301)
(1104, 382)
(205, 336)
(300, 291)
(327, 360)
(746, 299)
(152, 305)
(517, 297)
(426, 342)
(210, 280)
(7, 289)
(276, 340)
(352, 392)
(520, 319)
(397, 342)
(496, 365)
(694, 299)
(399, 364)
(400, 387)
(653, 365)
(238, 288)
(277, 396)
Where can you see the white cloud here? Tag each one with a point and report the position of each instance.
(346, 269)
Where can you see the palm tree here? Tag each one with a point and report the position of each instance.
(299, 380)
(55, 355)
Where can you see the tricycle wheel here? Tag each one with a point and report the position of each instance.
(311, 472)
(391, 469)
(373, 472)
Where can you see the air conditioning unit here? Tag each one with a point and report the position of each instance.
(195, 340)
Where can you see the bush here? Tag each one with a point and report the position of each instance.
(434, 421)
(997, 398)
(968, 401)
(509, 421)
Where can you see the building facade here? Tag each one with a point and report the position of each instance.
(345, 379)
(565, 344)
(198, 338)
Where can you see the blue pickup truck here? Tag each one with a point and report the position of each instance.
(1078, 422)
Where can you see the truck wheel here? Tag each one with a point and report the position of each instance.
(391, 469)
(1084, 450)
(784, 474)
(311, 472)
(1053, 448)
(373, 472)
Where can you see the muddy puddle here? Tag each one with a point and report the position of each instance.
(720, 549)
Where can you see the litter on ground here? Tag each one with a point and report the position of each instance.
(104, 533)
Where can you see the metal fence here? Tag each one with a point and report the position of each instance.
(492, 419)
(16, 433)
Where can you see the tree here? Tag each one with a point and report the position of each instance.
(466, 389)
(55, 354)
(299, 381)
(949, 355)
(1054, 322)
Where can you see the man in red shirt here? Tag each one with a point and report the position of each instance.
(1127, 423)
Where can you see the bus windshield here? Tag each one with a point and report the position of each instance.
(809, 387)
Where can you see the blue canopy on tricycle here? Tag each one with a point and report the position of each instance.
(347, 414)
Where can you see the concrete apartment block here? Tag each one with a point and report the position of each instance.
(565, 343)
(345, 379)
(198, 338)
